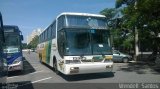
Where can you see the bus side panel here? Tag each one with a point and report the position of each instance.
(48, 51)
(40, 49)
(44, 53)
(53, 51)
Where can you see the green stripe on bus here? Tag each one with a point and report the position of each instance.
(48, 52)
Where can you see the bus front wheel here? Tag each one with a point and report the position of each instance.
(55, 66)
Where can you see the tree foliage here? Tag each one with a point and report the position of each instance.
(145, 15)
(109, 12)
(122, 38)
(33, 43)
(24, 46)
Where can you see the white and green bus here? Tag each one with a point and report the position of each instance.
(77, 43)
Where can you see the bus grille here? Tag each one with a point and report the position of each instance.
(92, 60)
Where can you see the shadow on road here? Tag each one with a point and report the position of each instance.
(18, 85)
(28, 68)
(29, 85)
(87, 76)
(140, 68)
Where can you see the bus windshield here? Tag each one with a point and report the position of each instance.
(100, 42)
(12, 43)
(78, 42)
(87, 42)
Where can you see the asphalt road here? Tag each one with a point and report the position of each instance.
(37, 73)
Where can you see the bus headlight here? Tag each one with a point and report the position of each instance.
(72, 61)
(19, 59)
(74, 69)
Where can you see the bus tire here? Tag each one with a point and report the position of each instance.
(55, 69)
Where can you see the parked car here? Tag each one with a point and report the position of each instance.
(121, 57)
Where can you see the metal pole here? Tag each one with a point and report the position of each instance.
(136, 44)
(136, 38)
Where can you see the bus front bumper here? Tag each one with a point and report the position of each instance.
(17, 66)
(72, 69)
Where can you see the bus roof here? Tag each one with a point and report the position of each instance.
(11, 28)
(80, 14)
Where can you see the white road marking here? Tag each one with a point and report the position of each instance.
(12, 77)
(20, 75)
(36, 81)
(41, 80)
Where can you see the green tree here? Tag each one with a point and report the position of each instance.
(33, 43)
(24, 45)
(122, 38)
(145, 15)
(109, 12)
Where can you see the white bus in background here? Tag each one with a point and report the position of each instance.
(77, 43)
